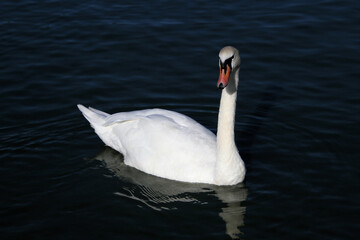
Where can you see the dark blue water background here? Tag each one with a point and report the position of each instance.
(297, 125)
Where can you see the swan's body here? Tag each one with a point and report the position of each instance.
(171, 145)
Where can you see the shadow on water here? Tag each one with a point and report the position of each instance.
(159, 194)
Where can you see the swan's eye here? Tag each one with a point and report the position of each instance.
(227, 62)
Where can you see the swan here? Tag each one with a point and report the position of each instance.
(171, 145)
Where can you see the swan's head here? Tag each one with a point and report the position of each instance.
(229, 60)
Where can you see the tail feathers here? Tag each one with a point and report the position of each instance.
(95, 117)
(104, 114)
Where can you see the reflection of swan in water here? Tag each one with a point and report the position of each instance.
(160, 194)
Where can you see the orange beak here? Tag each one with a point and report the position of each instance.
(224, 77)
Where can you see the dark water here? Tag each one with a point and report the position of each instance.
(297, 122)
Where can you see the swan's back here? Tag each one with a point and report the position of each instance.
(160, 142)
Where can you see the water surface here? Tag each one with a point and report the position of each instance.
(297, 125)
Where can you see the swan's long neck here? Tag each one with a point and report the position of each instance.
(230, 168)
(226, 119)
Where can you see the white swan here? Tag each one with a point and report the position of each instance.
(171, 145)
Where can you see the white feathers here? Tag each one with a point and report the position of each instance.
(171, 145)
(159, 142)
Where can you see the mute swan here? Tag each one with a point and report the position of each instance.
(171, 145)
